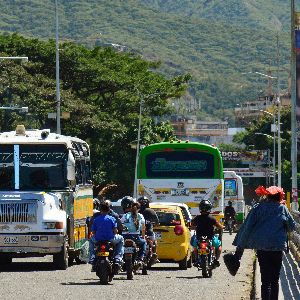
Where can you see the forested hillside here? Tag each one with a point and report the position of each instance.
(266, 14)
(214, 41)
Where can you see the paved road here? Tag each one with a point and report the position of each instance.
(34, 278)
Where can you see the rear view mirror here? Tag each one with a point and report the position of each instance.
(71, 167)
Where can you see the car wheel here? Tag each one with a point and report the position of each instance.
(183, 264)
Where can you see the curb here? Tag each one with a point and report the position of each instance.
(295, 251)
(257, 282)
(253, 284)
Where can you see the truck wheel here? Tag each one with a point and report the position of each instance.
(61, 259)
(5, 259)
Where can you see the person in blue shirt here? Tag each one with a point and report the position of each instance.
(134, 222)
(265, 230)
(104, 228)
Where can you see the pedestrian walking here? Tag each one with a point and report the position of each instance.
(265, 230)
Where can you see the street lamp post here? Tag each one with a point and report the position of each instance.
(142, 98)
(22, 109)
(138, 146)
(273, 129)
(278, 113)
(22, 58)
(58, 129)
(274, 165)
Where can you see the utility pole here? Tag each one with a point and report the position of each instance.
(135, 191)
(58, 130)
(279, 117)
(293, 108)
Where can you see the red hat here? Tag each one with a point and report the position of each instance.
(272, 190)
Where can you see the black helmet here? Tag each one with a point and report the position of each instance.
(230, 203)
(127, 202)
(144, 202)
(205, 206)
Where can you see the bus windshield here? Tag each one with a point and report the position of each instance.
(180, 164)
(41, 167)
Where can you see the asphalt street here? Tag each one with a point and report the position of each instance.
(35, 278)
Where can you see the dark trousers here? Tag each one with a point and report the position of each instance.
(270, 264)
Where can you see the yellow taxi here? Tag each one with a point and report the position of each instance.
(173, 235)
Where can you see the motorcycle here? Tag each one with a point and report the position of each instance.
(131, 250)
(205, 256)
(230, 224)
(149, 260)
(104, 265)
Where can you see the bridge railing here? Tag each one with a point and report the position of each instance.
(295, 236)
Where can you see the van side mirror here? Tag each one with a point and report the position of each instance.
(71, 167)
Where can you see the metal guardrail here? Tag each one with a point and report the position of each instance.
(295, 236)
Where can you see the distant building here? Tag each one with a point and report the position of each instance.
(253, 109)
(210, 132)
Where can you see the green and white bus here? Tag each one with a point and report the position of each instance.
(233, 191)
(185, 172)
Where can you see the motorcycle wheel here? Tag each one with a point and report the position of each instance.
(129, 269)
(144, 270)
(190, 261)
(103, 273)
(206, 272)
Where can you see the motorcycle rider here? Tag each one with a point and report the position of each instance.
(104, 228)
(151, 219)
(115, 215)
(135, 224)
(204, 225)
(229, 212)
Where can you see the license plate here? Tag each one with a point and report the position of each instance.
(128, 250)
(179, 192)
(102, 254)
(11, 240)
(202, 251)
(158, 235)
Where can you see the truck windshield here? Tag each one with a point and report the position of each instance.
(40, 167)
(6, 167)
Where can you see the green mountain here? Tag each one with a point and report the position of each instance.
(249, 13)
(215, 41)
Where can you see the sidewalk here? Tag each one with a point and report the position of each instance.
(289, 284)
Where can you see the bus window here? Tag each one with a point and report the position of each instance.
(88, 174)
(78, 172)
(180, 164)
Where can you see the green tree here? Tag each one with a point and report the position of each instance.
(101, 88)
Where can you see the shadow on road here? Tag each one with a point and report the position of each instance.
(95, 282)
(27, 267)
(290, 278)
(175, 269)
(189, 277)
